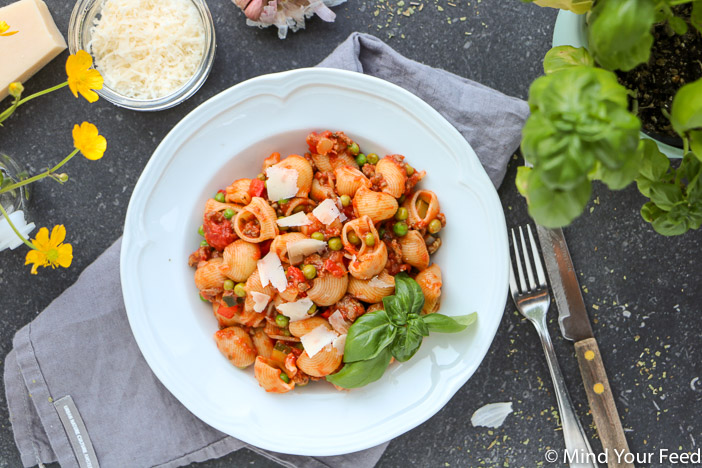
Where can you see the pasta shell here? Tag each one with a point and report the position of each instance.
(341, 160)
(236, 345)
(280, 244)
(268, 376)
(374, 307)
(394, 175)
(327, 290)
(416, 220)
(414, 250)
(213, 205)
(322, 162)
(378, 206)
(209, 276)
(304, 172)
(277, 333)
(239, 260)
(271, 160)
(261, 212)
(222, 321)
(370, 260)
(238, 192)
(303, 327)
(253, 284)
(321, 364)
(321, 191)
(349, 180)
(372, 290)
(262, 343)
(430, 282)
(299, 203)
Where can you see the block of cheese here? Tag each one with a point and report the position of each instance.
(36, 43)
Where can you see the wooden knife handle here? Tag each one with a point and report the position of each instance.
(599, 395)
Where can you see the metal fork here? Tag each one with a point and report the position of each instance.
(532, 301)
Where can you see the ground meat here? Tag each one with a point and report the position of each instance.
(200, 255)
(252, 228)
(218, 230)
(378, 182)
(349, 307)
(334, 264)
(413, 180)
(368, 170)
(395, 264)
(332, 144)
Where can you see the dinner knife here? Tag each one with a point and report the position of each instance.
(575, 326)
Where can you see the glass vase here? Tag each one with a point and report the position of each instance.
(14, 203)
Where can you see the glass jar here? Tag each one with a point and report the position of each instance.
(14, 203)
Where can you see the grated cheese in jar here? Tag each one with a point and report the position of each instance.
(147, 49)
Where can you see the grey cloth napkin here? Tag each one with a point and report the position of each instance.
(82, 346)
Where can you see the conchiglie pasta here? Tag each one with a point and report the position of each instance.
(414, 250)
(300, 328)
(423, 208)
(372, 290)
(430, 282)
(236, 345)
(370, 260)
(257, 213)
(299, 204)
(349, 180)
(213, 205)
(394, 175)
(326, 361)
(280, 244)
(253, 284)
(262, 342)
(327, 290)
(268, 376)
(238, 192)
(342, 160)
(209, 275)
(378, 206)
(304, 172)
(271, 160)
(239, 260)
(321, 191)
(223, 320)
(322, 162)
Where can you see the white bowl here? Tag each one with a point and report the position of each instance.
(227, 138)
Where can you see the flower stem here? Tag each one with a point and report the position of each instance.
(7, 217)
(9, 111)
(46, 173)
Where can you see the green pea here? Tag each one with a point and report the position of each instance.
(345, 200)
(354, 148)
(353, 238)
(228, 285)
(400, 228)
(201, 231)
(204, 244)
(284, 377)
(219, 196)
(312, 310)
(335, 243)
(409, 169)
(317, 236)
(361, 159)
(435, 226)
(228, 213)
(285, 332)
(281, 320)
(260, 176)
(401, 214)
(203, 299)
(309, 271)
(373, 158)
(240, 289)
(369, 240)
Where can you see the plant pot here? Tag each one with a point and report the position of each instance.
(570, 29)
(13, 202)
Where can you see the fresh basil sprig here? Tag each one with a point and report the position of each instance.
(397, 331)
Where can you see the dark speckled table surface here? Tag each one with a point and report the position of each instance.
(643, 291)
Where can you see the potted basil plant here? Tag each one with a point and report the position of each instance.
(588, 109)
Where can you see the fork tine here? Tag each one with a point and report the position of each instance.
(512, 281)
(537, 259)
(518, 261)
(530, 273)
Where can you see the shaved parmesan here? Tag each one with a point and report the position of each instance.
(281, 183)
(317, 339)
(298, 250)
(260, 301)
(491, 415)
(326, 211)
(271, 271)
(298, 219)
(340, 343)
(296, 310)
(339, 323)
(378, 283)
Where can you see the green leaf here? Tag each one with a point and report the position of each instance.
(678, 25)
(619, 32)
(445, 324)
(409, 293)
(407, 341)
(695, 138)
(361, 373)
(522, 180)
(396, 311)
(368, 336)
(696, 16)
(672, 223)
(665, 195)
(654, 164)
(561, 57)
(576, 6)
(556, 208)
(686, 112)
(650, 212)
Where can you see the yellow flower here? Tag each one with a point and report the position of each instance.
(50, 251)
(16, 89)
(88, 141)
(81, 78)
(4, 27)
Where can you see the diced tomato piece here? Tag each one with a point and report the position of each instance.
(257, 187)
(326, 313)
(228, 312)
(218, 230)
(265, 247)
(332, 267)
(295, 274)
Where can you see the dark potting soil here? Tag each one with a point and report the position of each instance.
(675, 60)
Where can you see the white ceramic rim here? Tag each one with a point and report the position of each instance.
(282, 85)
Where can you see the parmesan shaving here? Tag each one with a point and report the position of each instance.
(281, 183)
(271, 271)
(317, 339)
(297, 310)
(298, 219)
(147, 49)
(326, 211)
(260, 301)
(340, 343)
(298, 250)
(491, 415)
(339, 323)
(378, 283)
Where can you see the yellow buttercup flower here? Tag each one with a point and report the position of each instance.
(3, 29)
(81, 78)
(50, 250)
(88, 141)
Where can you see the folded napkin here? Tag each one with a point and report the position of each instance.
(81, 346)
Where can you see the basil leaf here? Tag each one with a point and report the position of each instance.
(696, 15)
(576, 6)
(555, 208)
(368, 336)
(360, 373)
(566, 56)
(396, 311)
(664, 195)
(686, 112)
(445, 324)
(409, 293)
(407, 341)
